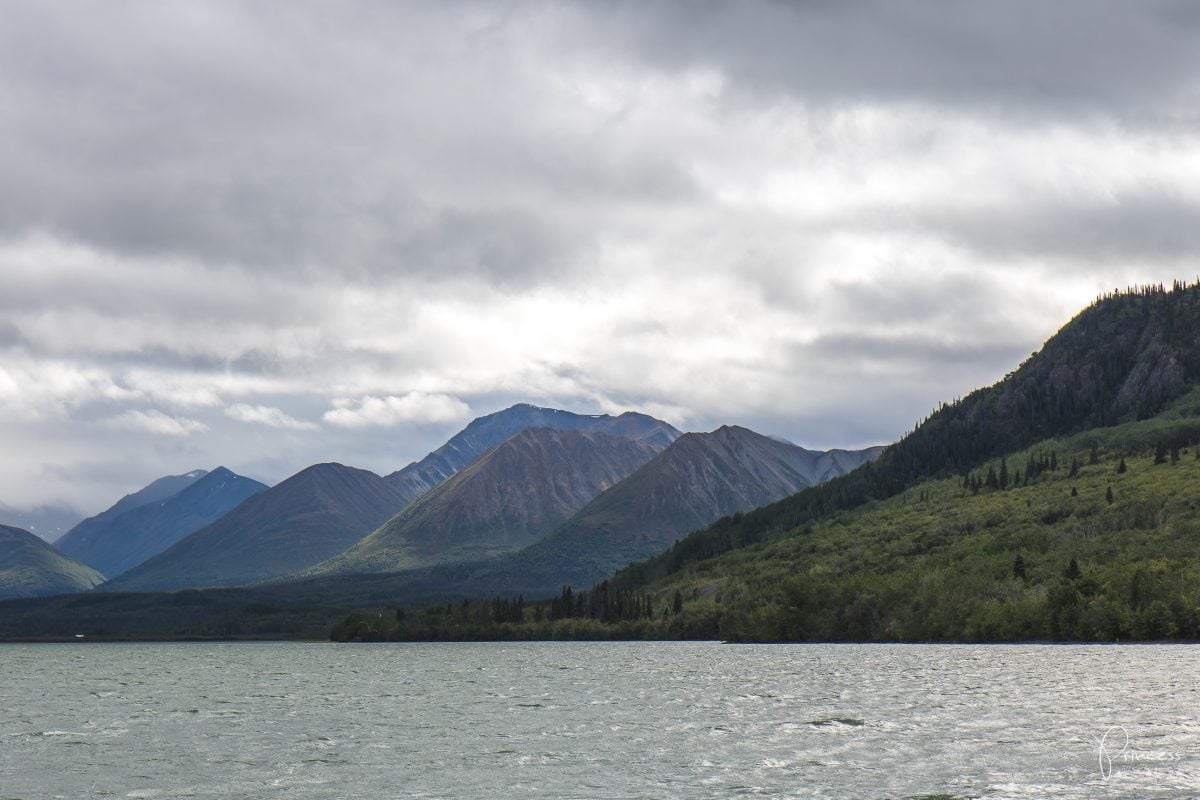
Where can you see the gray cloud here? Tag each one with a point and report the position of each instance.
(272, 234)
(1019, 58)
(390, 141)
(1156, 225)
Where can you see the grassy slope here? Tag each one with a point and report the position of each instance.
(936, 562)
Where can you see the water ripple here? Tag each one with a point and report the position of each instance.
(598, 720)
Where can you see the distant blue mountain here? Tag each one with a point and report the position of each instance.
(146, 523)
(48, 522)
(313, 515)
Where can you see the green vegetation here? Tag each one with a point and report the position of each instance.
(225, 614)
(30, 567)
(599, 614)
(942, 563)
(1125, 358)
(1023, 548)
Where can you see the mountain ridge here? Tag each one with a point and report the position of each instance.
(484, 433)
(593, 542)
(142, 532)
(700, 477)
(507, 498)
(153, 492)
(305, 519)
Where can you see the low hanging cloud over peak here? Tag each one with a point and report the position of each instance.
(259, 234)
(267, 415)
(156, 422)
(389, 411)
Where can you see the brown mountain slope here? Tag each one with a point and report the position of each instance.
(698, 479)
(508, 498)
(488, 431)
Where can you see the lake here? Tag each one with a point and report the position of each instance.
(598, 720)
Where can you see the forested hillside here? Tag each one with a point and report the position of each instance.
(1092, 538)
(1126, 357)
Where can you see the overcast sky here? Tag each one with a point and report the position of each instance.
(270, 234)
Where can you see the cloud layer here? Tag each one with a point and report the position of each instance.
(272, 234)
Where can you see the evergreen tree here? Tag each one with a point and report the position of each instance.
(1121, 467)
(1018, 568)
(1072, 572)
(1108, 495)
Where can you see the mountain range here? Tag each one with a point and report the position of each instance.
(527, 495)
(143, 525)
(313, 515)
(699, 478)
(508, 498)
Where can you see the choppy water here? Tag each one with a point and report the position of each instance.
(583, 720)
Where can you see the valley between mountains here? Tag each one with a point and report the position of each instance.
(1057, 504)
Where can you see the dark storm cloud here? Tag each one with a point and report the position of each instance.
(1027, 57)
(386, 140)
